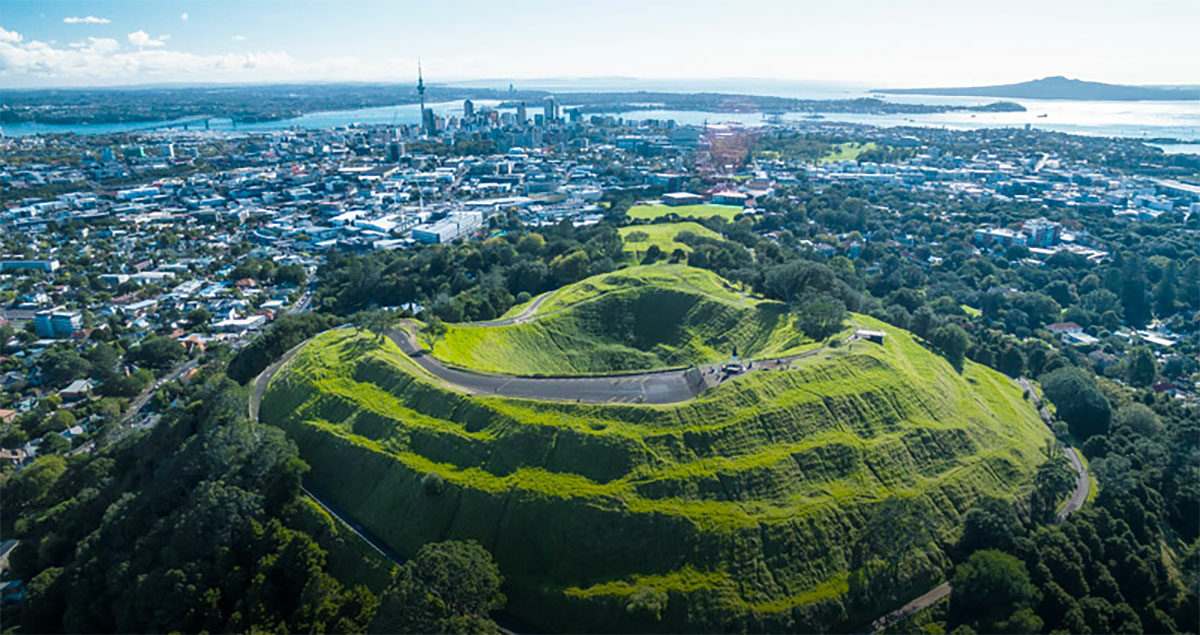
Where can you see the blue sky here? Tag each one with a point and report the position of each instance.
(873, 42)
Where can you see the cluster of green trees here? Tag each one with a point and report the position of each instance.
(266, 270)
(197, 525)
(460, 148)
(474, 281)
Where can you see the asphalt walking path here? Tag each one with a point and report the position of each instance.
(1083, 485)
(652, 387)
(365, 534)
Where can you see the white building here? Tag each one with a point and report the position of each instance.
(454, 226)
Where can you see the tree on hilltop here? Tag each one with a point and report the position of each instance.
(377, 322)
(821, 316)
(953, 342)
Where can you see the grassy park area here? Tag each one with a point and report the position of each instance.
(706, 210)
(847, 151)
(663, 235)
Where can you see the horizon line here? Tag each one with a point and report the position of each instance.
(513, 80)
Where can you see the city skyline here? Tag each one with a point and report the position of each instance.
(69, 43)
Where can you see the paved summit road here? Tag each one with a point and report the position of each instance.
(653, 388)
(1082, 486)
(520, 318)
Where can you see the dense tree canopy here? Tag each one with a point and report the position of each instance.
(1079, 401)
(157, 351)
(447, 587)
(198, 525)
(992, 591)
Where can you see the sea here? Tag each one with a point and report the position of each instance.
(1178, 121)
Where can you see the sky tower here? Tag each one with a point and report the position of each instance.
(421, 94)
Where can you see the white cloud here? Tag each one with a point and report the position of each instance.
(91, 19)
(184, 17)
(239, 38)
(98, 45)
(141, 39)
(107, 61)
(102, 60)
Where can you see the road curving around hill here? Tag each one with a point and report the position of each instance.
(650, 387)
(663, 387)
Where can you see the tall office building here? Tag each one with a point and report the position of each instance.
(550, 110)
(468, 109)
(522, 116)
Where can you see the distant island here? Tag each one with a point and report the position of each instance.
(1059, 87)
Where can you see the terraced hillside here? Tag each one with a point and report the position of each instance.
(641, 318)
(804, 499)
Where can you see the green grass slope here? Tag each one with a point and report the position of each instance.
(641, 318)
(756, 506)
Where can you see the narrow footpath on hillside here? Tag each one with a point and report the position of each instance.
(1083, 487)
(371, 539)
(520, 318)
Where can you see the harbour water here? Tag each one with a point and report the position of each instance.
(1178, 120)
